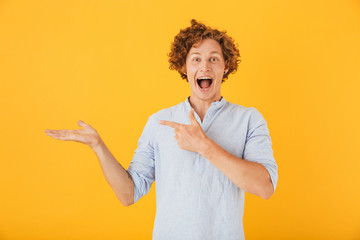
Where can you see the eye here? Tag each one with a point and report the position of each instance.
(213, 59)
(196, 59)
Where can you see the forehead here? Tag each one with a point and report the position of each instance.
(206, 46)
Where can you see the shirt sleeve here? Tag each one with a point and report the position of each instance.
(258, 146)
(142, 166)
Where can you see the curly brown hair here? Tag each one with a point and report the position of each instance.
(189, 36)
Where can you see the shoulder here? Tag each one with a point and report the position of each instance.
(249, 115)
(239, 109)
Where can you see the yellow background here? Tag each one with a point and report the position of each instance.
(105, 62)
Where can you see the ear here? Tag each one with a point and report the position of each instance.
(183, 69)
(226, 67)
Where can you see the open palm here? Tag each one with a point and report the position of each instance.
(87, 135)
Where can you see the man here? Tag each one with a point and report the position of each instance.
(204, 153)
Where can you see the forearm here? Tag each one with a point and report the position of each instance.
(117, 177)
(250, 176)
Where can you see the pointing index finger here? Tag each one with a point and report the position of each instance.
(170, 124)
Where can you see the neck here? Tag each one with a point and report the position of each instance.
(201, 106)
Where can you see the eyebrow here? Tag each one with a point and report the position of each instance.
(212, 52)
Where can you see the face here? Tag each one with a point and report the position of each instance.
(205, 66)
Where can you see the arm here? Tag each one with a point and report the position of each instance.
(252, 177)
(118, 178)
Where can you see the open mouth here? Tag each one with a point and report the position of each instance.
(204, 82)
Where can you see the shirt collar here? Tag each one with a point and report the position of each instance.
(214, 105)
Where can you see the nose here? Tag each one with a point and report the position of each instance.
(205, 66)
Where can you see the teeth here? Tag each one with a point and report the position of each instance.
(204, 78)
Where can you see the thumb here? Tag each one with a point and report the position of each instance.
(82, 124)
(192, 117)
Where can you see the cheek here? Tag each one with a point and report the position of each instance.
(191, 70)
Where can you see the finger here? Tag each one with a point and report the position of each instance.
(177, 131)
(81, 123)
(192, 117)
(84, 125)
(65, 135)
(170, 124)
(53, 133)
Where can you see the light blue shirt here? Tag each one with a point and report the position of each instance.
(195, 200)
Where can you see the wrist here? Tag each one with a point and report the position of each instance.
(207, 145)
(97, 145)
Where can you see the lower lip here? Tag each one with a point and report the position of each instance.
(204, 89)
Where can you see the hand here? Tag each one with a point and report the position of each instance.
(189, 137)
(88, 135)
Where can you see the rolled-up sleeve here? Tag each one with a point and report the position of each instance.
(142, 166)
(258, 146)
